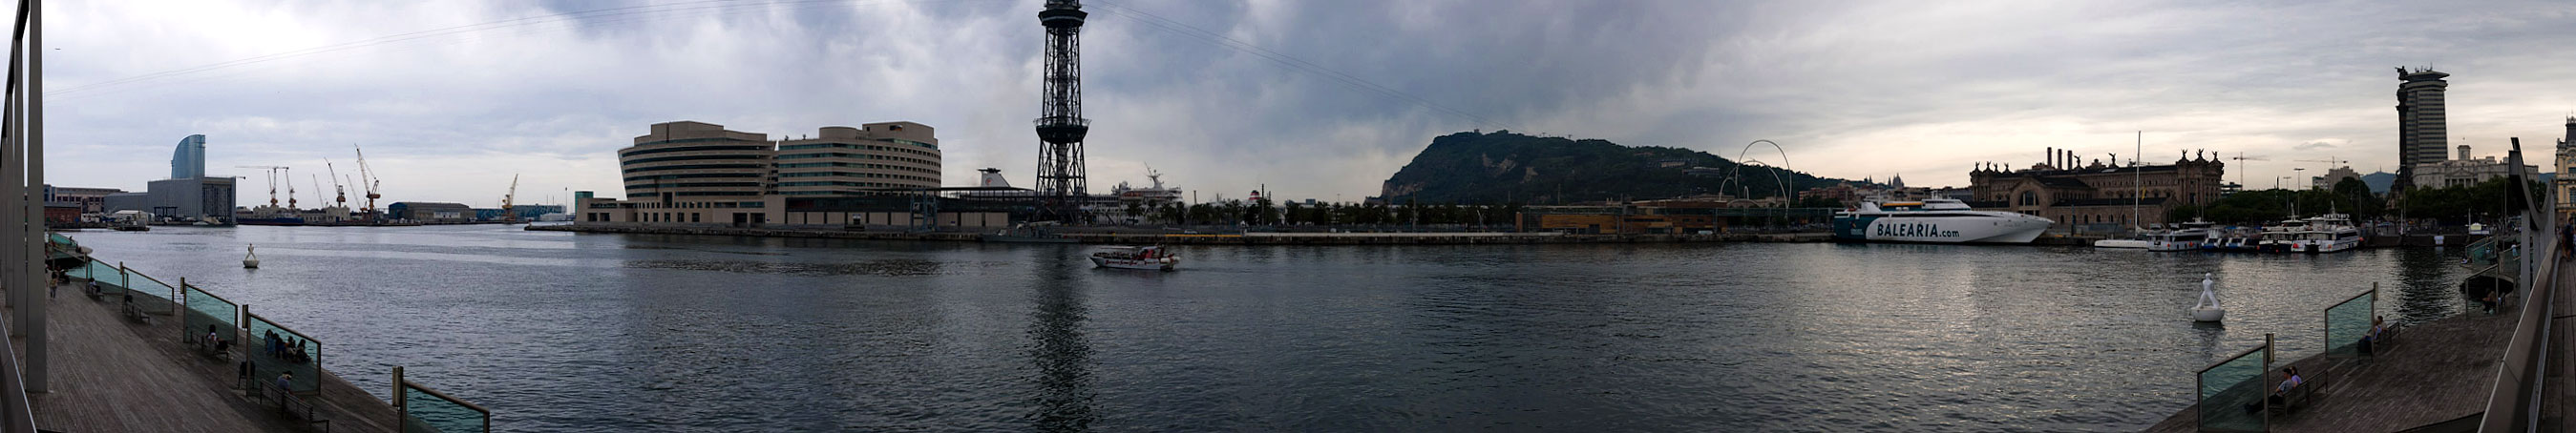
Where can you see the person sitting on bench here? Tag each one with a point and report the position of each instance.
(2289, 382)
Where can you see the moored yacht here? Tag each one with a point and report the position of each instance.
(1938, 220)
(2329, 233)
(2190, 236)
(2277, 238)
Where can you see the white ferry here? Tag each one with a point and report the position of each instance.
(1937, 220)
(2329, 233)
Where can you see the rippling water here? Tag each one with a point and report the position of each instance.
(563, 332)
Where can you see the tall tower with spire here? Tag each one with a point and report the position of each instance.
(1060, 125)
(2423, 130)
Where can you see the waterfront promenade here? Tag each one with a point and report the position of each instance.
(2438, 371)
(117, 375)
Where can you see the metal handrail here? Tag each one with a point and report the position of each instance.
(2514, 404)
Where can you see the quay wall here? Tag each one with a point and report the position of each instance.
(1216, 239)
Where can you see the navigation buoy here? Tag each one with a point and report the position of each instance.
(2207, 310)
(251, 259)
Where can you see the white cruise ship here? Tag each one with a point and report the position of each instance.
(1935, 221)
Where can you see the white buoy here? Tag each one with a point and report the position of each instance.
(2207, 310)
(251, 259)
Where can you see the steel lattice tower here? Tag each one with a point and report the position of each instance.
(1060, 186)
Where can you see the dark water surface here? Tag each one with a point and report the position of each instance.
(564, 332)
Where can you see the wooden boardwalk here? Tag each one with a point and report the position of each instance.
(115, 375)
(2436, 371)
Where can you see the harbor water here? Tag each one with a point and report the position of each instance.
(609, 333)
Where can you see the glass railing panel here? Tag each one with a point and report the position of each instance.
(2231, 393)
(208, 314)
(426, 411)
(144, 285)
(275, 349)
(2348, 322)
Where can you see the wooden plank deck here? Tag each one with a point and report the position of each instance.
(2437, 371)
(114, 375)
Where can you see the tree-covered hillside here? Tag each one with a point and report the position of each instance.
(1504, 167)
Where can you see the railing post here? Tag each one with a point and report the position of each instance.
(400, 403)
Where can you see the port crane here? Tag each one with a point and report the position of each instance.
(272, 183)
(367, 180)
(2240, 169)
(317, 189)
(340, 194)
(508, 215)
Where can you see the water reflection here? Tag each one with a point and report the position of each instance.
(2426, 277)
(1063, 355)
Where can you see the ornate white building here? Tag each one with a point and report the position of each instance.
(2565, 184)
(2462, 171)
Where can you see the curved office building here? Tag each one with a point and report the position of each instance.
(189, 160)
(695, 162)
(843, 160)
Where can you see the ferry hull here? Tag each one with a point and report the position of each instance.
(1944, 230)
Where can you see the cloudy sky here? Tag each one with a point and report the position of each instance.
(1319, 99)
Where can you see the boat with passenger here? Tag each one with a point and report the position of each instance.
(1937, 220)
(1126, 257)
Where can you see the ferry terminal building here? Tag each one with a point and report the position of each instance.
(2097, 197)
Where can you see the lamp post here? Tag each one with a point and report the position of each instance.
(2303, 174)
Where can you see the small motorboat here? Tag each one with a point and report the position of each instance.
(1148, 258)
(250, 260)
(2208, 310)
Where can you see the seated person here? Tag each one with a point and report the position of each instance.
(2290, 381)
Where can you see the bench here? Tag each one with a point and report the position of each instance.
(294, 407)
(2380, 344)
(218, 351)
(2302, 395)
(136, 313)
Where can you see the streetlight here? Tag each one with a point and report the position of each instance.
(2302, 171)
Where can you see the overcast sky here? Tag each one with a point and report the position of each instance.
(1316, 99)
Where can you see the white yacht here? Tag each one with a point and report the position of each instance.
(2188, 237)
(1938, 220)
(2329, 233)
(2138, 243)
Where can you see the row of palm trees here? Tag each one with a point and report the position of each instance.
(1264, 212)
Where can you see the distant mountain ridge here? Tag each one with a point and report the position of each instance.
(1502, 166)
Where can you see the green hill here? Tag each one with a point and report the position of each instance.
(1502, 166)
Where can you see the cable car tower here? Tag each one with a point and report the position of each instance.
(1060, 188)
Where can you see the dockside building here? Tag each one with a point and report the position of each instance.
(695, 173)
(2098, 197)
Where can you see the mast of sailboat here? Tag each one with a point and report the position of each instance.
(2137, 179)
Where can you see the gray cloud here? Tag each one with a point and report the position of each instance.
(1852, 90)
(2313, 145)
